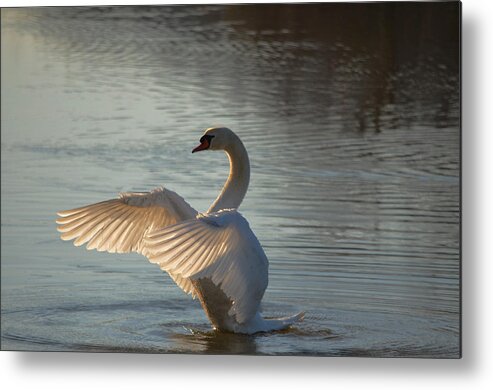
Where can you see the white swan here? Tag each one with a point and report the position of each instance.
(213, 256)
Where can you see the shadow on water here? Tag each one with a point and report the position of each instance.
(216, 343)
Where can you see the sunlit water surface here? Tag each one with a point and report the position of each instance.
(351, 119)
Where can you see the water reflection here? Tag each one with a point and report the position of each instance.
(395, 66)
(216, 343)
(374, 55)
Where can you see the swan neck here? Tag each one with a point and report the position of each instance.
(236, 185)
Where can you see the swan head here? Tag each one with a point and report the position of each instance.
(216, 138)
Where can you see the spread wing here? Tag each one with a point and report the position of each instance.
(119, 225)
(220, 247)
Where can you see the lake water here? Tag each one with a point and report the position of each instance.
(350, 114)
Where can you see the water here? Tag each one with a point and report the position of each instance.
(350, 114)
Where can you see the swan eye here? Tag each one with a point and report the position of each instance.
(205, 143)
(207, 138)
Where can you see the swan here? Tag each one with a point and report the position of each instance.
(213, 256)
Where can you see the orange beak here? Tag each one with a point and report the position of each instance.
(203, 146)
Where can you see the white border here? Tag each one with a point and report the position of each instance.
(119, 371)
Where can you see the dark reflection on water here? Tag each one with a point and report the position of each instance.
(350, 113)
(217, 343)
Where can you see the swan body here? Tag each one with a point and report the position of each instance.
(213, 256)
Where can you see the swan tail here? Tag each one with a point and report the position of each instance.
(283, 322)
(259, 324)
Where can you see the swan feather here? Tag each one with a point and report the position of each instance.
(228, 254)
(119, 225)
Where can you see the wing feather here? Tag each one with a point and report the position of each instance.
(121, 233)
(82, 209)
(176, 244)
(218, 246)
(119, 225)
(189, 266)
(185, 250)
(132, 232)
(106, 238)
(73, 222)
(84, 223)
(116, 214)
(101, 240)
(92, 237)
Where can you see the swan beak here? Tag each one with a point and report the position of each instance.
(203, 146)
